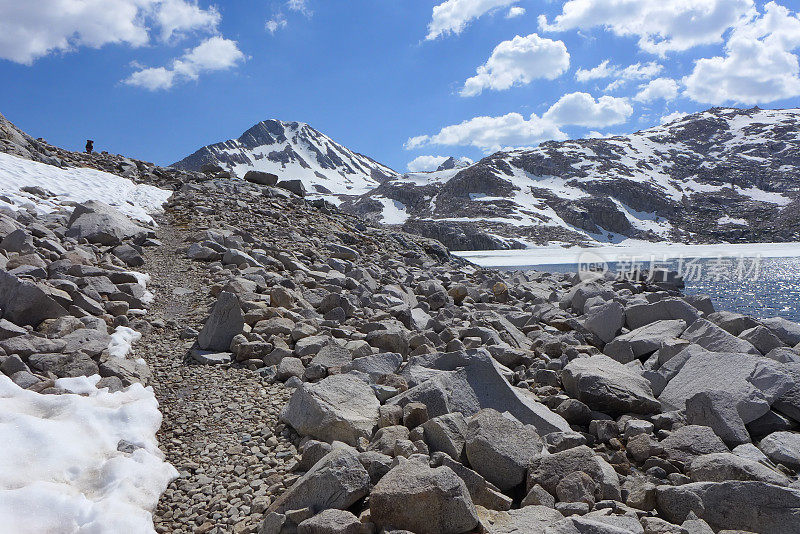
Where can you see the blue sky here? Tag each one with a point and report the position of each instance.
(398, 80)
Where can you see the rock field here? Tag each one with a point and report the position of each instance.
(318, 374)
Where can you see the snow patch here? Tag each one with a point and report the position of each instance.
(61, 470)
(122, 341)
(394, 212)
(731, 220)
(137, 201)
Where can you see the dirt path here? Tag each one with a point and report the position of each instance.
(218, 421)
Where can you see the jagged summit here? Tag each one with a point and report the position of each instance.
(454, 163)
(294, 150)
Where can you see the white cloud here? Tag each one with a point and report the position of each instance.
(515, 12)
(177, 16)
(581, 109)
(758, 65)
(276, 23)
(675, 115)
(594, 134)
(661, 25)
(492, 133)
(660, 88)
(213, 54)
(637, 71)
(31, 30)
(453, 16)
(603, 70)
(426, 163)
(518, 62)
(514, 130)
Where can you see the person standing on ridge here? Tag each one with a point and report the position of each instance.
(89, 146)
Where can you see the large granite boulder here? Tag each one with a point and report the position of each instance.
(337, 408)
(783, 448)
(102, 224)
(261, 178)
(644, 340)
(711, 337)
(607, 385)
(723, 466)
(734, 505)
(789, 402)
(225, 322)
(24, 303)
(532, 519)
(638, 315)
(717, 409)
(755, 383)
(690, 441)
(786, 330)
(424, 500)
(338, 480)
(469, 381)
(605, 320)
(500, 448)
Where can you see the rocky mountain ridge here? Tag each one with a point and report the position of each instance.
(723, 175)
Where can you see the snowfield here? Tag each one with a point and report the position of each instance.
(65, 466)
(75, 184)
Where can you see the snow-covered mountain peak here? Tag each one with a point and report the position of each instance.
(294, 150)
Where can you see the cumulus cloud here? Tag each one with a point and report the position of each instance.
(514, 130)
(675, 115)
(581, 109)
(492, 133)
(515, 12)
(213, 54)
(637, 71)
(452, 16)
(603, 70)
(177, 16)
(758, 65)
(31, 30)
(426, 163)
(518, 62)
(661, 25)
(660, 88)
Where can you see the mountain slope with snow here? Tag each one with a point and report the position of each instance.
(721, 175)
(294, 151)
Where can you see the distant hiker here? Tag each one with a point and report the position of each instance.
(89, 146)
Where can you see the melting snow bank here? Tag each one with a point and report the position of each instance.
(76, 184)
(122, 341)
(84, 462)
(640, 250)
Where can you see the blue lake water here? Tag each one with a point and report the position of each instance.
(759, 287)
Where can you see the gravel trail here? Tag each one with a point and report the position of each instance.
(219, 427)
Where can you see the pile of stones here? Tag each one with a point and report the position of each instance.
(66, 284)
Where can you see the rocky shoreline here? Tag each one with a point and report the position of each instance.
(318, 374)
